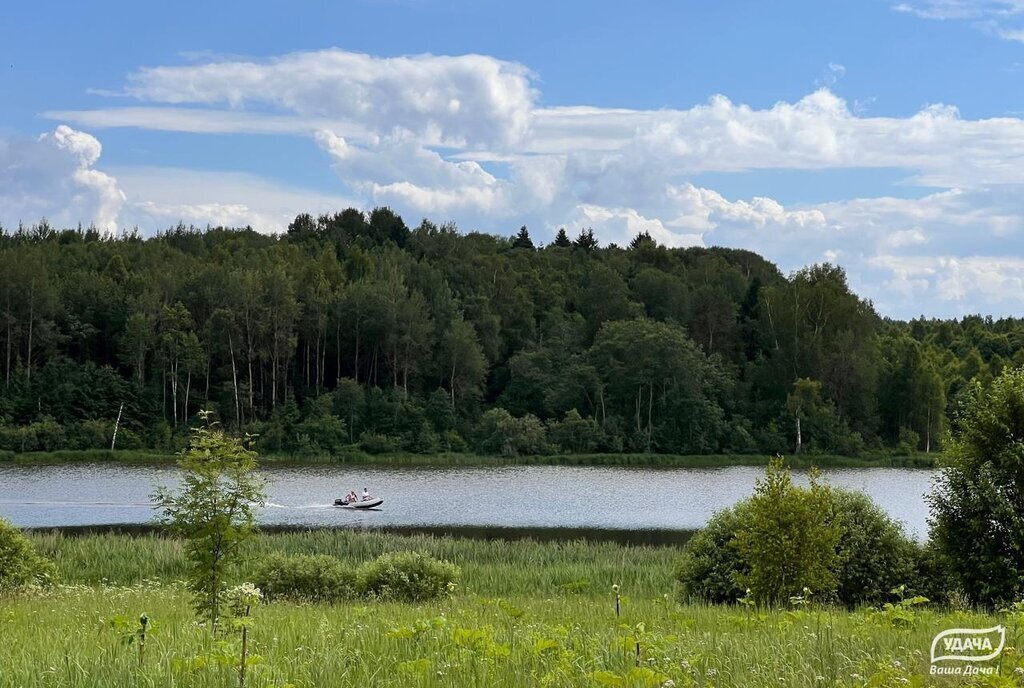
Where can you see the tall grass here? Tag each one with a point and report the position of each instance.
(64, 638)
(489, 567)
(525, 614)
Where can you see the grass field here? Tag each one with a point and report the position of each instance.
(524, 614)
(406, 459)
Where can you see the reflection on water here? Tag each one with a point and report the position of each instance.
(517, 497)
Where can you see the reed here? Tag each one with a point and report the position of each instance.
(492, 568)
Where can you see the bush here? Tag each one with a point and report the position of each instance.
(788, 541)
(45, 434)
(502, 433)
(575, 434)
(374, 443)
(908, 442)
(452, 441)
(710, 566)
(314, 578)
(874, 556)
(837, 543)
(408, 577)
(20, 563)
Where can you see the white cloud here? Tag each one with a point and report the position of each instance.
(462, 138)
(468, 100)
(999, 17)
(832, 74)
(400, 171)
(162, 197)
(620, 225)
(53, 175)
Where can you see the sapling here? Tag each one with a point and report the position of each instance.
(213, 510)
(241, 600)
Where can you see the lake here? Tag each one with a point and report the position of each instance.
(518, 498)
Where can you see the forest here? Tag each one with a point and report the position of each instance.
(354, 330)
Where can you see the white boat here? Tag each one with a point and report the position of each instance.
(364, 503)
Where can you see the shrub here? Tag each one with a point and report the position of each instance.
(374, 443)
(315, 578)
(45, 434)
(408, 577)
(908, 442)
(20, 563)
(838, 544)
(452, 441)
(502, 433)
(710, 565)
(575, 434)
(874, 556)
(787, 541)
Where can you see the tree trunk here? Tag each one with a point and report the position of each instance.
(234, 380)
(650, 405)
(928, 433)
(452, 383)
(7, 378)
(31, 322)
(174, 391)
(117, 423)
(188, 389)
(799, 439)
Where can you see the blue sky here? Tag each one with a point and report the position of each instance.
(883, 136)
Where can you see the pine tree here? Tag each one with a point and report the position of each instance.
(586, 240)
(642, 239)
(522, 239)
(562, 239)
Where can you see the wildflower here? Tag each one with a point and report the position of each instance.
(242, 597)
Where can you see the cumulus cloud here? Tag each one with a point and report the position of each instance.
(53, 176)
(464, 138)
(468, 100)
(160, 197)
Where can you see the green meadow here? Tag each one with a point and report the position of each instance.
(524, 614)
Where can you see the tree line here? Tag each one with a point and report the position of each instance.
(354, 329)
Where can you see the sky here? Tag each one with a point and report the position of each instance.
(885, 136)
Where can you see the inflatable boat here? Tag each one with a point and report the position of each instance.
(370, 503)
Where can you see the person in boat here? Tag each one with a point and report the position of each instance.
(350, 497)
(366, 494)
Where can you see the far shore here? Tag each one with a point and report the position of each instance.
(358, 457)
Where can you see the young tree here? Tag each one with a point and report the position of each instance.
(789, 541)
(213, 511)
(976, 506)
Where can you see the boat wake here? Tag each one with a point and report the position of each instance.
(274, 505)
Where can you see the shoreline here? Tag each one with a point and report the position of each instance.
(653, 537)
(359, 458)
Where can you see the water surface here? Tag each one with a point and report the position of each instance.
(574, 497)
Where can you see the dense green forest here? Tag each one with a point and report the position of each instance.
(353, 330)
